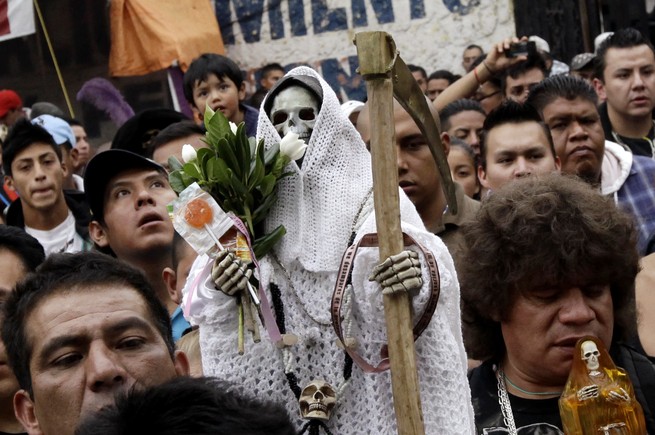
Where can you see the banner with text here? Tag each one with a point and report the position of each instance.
(319, 33)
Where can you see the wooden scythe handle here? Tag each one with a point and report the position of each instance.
(376, 53)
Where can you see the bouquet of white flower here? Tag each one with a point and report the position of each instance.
(238, 173)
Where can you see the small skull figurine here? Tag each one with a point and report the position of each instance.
(590, 355)
(317, 400)
(294, 110)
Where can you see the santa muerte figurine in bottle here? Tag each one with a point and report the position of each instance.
(599, 397)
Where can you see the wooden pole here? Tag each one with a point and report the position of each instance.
(54, 59)
(376, 56)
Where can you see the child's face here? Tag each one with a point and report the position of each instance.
(220, 94)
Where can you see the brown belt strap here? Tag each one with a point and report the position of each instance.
(371, 241)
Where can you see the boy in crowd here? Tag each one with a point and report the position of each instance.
(34, 169)
(216, 81)
(128, 195)
(63, 135)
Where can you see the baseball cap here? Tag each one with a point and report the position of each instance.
(9, 100)
(582, 60)
(137, 132)
(105, 166)
(59, 129)
(540, 43)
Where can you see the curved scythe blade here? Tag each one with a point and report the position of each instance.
(409, 95)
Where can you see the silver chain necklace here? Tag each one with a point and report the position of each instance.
(505, 406)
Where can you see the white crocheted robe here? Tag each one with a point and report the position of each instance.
(319, 205)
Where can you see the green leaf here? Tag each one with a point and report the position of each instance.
(267, 185)
(204, 154)
(192, 171)
(257, 174)
(226, 152)
(174, 164)
(175, 180)
(218, 170)
(264, 244)
(187, 180)
(261, 211)
(242, 150)
(238, 186)
(216, 124)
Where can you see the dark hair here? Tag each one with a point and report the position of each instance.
(535, 60)
(511, 112)
(560, 86)
(414, 68)
(458, 106)
(22, 245)
(472, 46)
(73, 122)
(456, 142)
(60, 273)
(268, 68)
(623, 38)
(206, 64)
(177, 130)
(552, 230)
(443, 74)
(21, 136)
(183, 405)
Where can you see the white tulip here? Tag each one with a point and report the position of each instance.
(233, 127)
(292, 147)
(189, 153)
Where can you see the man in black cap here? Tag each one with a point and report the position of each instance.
(128, 195)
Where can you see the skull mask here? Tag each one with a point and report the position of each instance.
(317, 400)
(294, 110)
(590, 355)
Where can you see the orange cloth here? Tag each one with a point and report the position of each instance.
(149, 35)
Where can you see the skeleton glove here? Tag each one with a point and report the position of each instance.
(229, 273)
(400, 272)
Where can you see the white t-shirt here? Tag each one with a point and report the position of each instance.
(62, 238)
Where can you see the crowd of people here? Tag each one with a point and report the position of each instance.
(112, 323)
